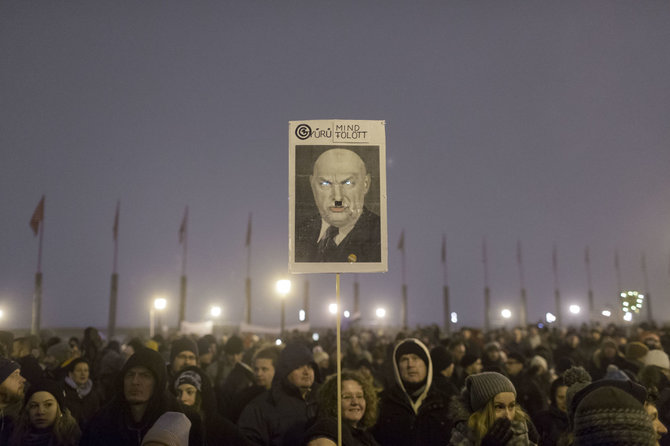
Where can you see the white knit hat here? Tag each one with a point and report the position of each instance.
(170, 429)
(658, 358)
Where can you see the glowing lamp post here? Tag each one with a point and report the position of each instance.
(215, 311)
(160, 304)
(283, 287)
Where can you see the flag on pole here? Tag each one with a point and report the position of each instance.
(115, 229)
(247, 243)
(401, 242)
(444, 248)
(183, 227)
(38, 217)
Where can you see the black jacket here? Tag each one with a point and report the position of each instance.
(113, 425)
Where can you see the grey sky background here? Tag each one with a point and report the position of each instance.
(540, 121)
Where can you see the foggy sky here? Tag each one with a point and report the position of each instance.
(545, 122)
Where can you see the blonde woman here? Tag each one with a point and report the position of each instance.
(487, 414)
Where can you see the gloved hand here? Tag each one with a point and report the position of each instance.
(498, 434)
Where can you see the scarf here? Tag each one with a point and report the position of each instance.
(82, 391)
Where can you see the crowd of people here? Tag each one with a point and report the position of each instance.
(528, 385)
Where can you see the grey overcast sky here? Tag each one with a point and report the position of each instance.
(545, 122)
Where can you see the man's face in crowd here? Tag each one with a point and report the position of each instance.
(514, 367)
(339, 184)
(458, 352)
(561, 401)
(264, 371)
(412, 368)
(659, 427)
(138, 385)
(183, 359)
(302, 377)
(11, 389)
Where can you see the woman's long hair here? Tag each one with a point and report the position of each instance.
(481, 421)
(65, 430)
(328, 397)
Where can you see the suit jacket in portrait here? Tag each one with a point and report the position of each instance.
(364, 241)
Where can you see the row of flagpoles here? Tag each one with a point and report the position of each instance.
(37, 226)
(523, 314)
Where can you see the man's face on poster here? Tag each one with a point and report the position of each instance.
(339, 183)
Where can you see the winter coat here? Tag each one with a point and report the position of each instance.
(407, 421)
(551, 425)
(280, 416)
(113, 425)
(83, 407)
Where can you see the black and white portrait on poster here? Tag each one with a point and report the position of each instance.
(337, 196)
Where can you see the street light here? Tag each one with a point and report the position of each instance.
(575, 309)
(380, 313)
(506, 313)
(283, 287)
(550, 318)
(160, 304)
(215, 311)
(332, 308)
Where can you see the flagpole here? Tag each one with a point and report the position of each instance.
(38, 218)
(445, 287)
(587, 261)
(182, 291)
(487, 290)
(401, 247)
(247, 282)
(114, 285)
(647, 293)
(557, 293)
(523, 316)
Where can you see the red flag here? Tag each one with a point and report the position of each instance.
(248, 240)
(183, 227)
(401, 242)
(38, 216)
(115, 229)
(444, 248)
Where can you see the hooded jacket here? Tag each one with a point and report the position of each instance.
(280, 416)
(113, 425)
(416, 418)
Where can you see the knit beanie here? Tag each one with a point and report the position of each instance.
(658, 358)
(635, 351)
(608, 416)
(7, 367)
(482, 387)
(576, 378)
(181, 345)
(189, 377)
(171, 429)
(410, 346)
(441, 358)
(539, 361)
(50, 386)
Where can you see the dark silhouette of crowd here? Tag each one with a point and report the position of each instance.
(521, 386)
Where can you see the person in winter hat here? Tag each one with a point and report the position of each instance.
(171, 429)
(611, 416)
(487, 414)
(412, 411)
